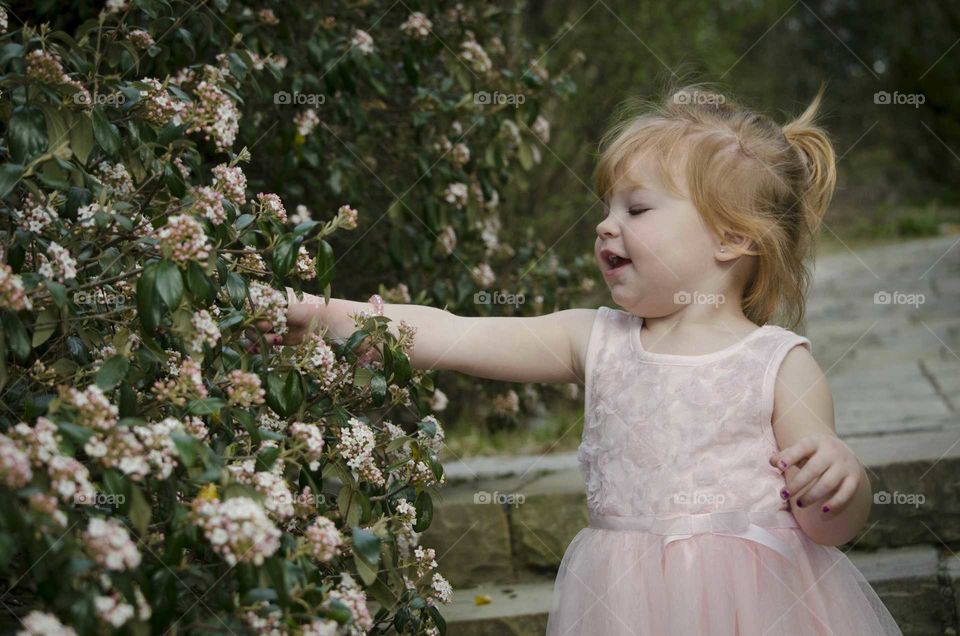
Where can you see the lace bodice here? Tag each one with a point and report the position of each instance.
(667, 433)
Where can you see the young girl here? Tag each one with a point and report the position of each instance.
(717, 487)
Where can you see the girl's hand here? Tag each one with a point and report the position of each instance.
(827, 468)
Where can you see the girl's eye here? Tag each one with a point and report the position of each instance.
(637, 211)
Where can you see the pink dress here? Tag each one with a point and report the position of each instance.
(688, 533)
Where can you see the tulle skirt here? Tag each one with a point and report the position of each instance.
(614, 582)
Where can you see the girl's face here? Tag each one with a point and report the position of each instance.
(669, 247)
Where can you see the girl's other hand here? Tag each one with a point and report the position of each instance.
(829, 472)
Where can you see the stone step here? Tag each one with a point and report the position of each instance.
(906, 579)
(515, 528)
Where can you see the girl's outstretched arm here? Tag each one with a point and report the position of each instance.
(547, 348)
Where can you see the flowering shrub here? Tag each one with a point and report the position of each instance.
(157, 474)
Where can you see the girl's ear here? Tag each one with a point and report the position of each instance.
(734, 246)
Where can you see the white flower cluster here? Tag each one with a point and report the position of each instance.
(208, 202)
(244, 388)
(36, 214)
(483, 275)
(205, 329)
(94, 410)
(69, 478)
(311, 436)
(138, 451)
(45, 67)
(12, 293)
(417, 25)
(440, 590)
(182, 239)
(363, 41)
(60, 266)
(14, 464)
(322, 539)
(269, 304)
(356, 445)
(116, 178)
(456, 194)
(347, 217)
(160, 108)
(38, 623)
(238, 529)
(306, 121)
(231, 182)
(474, 54)
(271, 204)
(356, 599)
(306, 267)
(186, 383)
(109, 544)
(278, 500)
(215, 115)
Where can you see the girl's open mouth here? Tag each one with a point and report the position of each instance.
(614, 263)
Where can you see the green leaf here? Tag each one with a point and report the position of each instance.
(187, 447)
(267, 457)
(325, 264)
(10, 174)
(424, 505)
(243, 221)
(367, 545)
(236, 288)
(106, 133)
(112, 372)
(149, 306)
(173, 179)
(285, 255)
(58, 291)
(378, 389)
(16, 336)
(169, 283)
(46, 324)
(205, 406)
(26, 134)
(81, 137)
(368, 574)
(199, 284)
(284, 392)
(139, 510)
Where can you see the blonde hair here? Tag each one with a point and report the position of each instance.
(744, 173)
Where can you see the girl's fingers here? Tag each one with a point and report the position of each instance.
(264, 325)
(793, 454)
(821, 487)
(813, 468)
(843, 496)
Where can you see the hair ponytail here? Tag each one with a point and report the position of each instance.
(818, 157)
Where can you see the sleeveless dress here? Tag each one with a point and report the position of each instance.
(688, 533)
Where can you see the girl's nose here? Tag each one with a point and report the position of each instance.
(606, 227)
